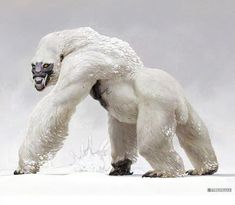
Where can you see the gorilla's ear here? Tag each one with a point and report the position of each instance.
(61, 57)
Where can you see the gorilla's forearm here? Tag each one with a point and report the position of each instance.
(47, 129)
(48, 125)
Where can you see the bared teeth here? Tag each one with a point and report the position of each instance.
(44, 81)
(38, 80)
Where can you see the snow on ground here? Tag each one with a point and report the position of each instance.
(64, 182)
(88, 175)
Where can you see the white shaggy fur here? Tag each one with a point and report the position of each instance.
(146, 106)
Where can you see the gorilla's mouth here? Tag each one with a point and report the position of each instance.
(40, 82)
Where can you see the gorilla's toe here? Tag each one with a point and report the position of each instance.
(18, 172)
(210, 172)
(120, 172)
(206, 172)
(192, 172)
(152, 174)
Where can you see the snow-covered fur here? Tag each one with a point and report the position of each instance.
(146, 107)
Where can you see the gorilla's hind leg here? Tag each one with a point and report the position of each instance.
(123, 146)
(195, 140)
(155, 130)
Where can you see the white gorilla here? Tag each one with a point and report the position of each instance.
(146, 107)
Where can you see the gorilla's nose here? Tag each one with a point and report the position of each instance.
(38, 69)
(38, 80)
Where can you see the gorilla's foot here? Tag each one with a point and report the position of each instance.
(121, 168)
(154, 174)
(205, 172)
(18, 172)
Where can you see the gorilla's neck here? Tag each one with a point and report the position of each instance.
(76, 39)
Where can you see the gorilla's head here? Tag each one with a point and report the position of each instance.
(47, 62)
(41, 74)
(45, 73)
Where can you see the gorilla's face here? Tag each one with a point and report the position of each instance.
(42, 72)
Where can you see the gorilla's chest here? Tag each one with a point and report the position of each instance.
(118, 98)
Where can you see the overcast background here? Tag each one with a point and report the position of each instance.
(191, 39)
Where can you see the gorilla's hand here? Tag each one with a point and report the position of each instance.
(18, 172)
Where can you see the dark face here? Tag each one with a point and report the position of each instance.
(41, 74)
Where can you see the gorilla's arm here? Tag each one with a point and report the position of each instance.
(48, 125)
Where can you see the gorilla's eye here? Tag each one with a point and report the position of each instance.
(45, 65)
